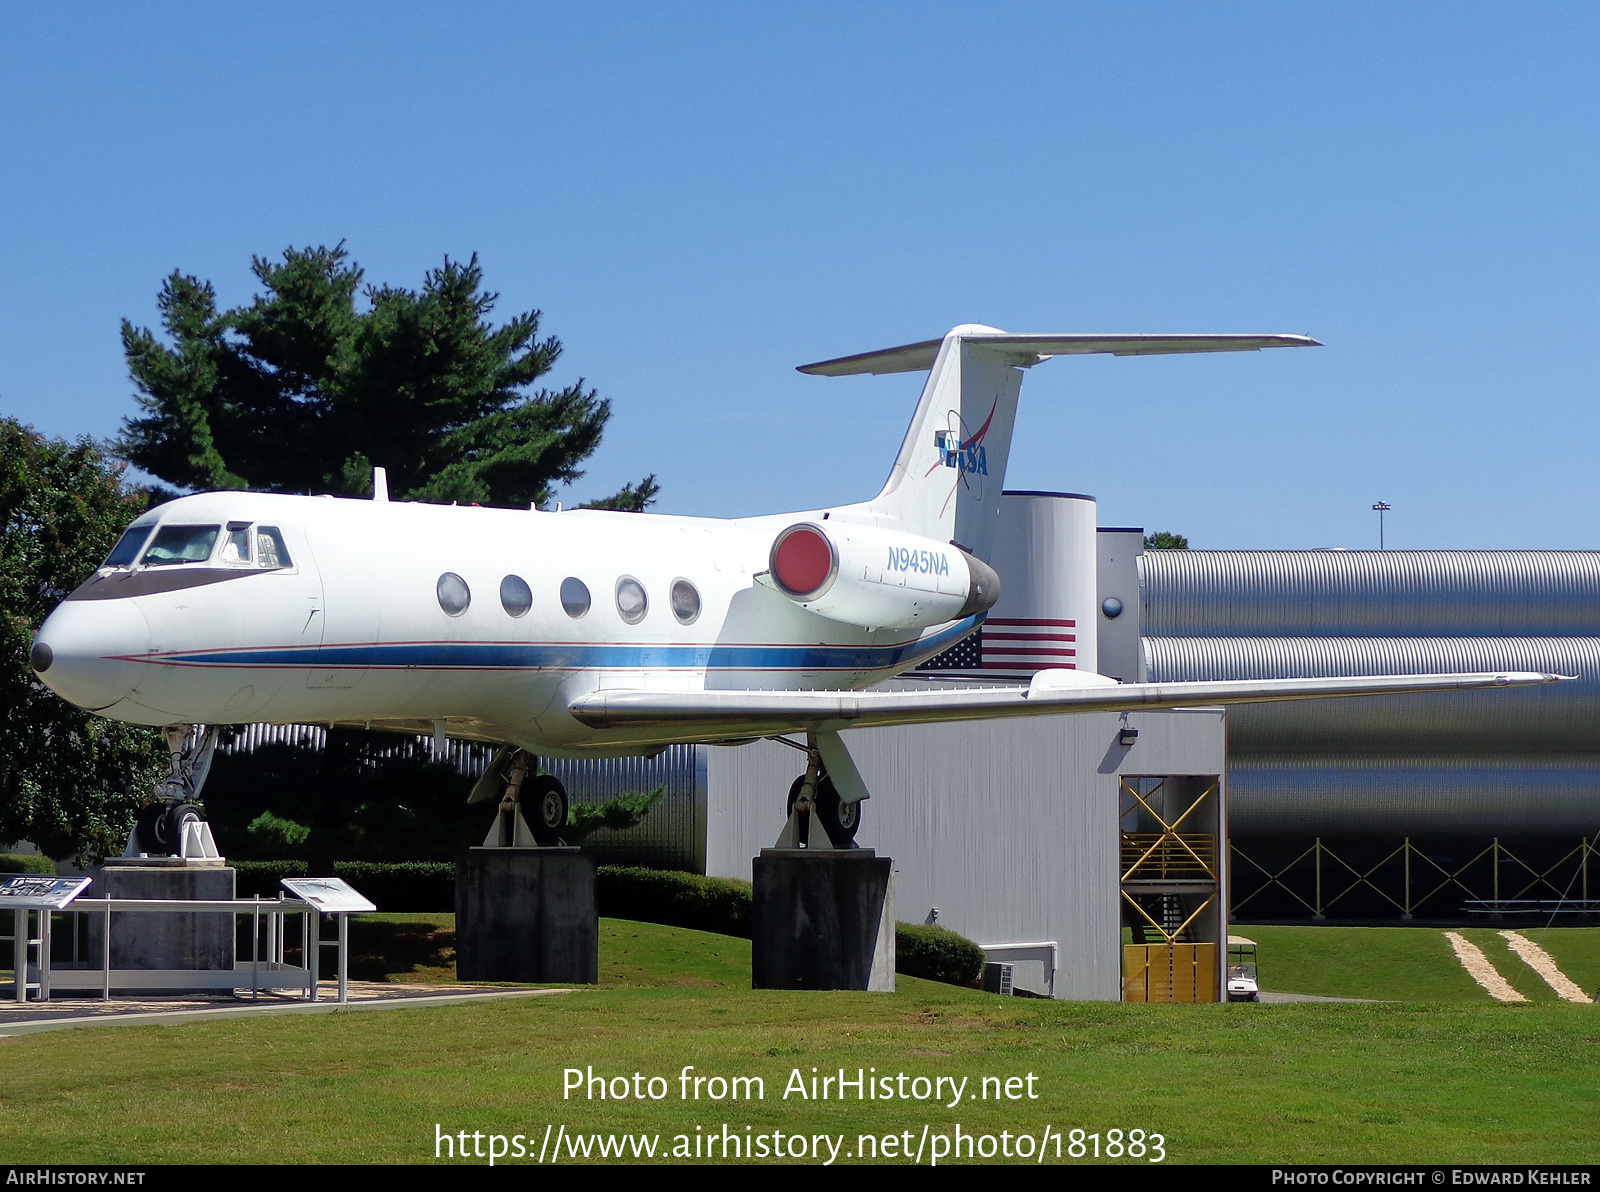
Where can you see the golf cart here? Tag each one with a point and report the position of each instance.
(1242, 984)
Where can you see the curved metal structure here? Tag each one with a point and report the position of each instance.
(1559, 718)
(1339, 593)
(1515, 764)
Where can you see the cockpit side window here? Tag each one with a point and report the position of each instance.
(236, 546)
(181, 544)
(270, 550)
(127, 548)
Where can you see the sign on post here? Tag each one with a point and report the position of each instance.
(35, 892)
(330, 895)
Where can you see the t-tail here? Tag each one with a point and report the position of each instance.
(946, 481)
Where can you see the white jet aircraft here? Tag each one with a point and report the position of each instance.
(592, 633)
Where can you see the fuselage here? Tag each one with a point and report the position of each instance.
(231, 608)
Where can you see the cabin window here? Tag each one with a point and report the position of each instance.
(454, 595)
(127, 548)
(685, 601)
(270, 550)
(236, 546)
(515, 595)
(632, 603)
(574, 596)
(181, 544)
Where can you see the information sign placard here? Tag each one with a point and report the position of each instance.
(37, 892)
(331, 895)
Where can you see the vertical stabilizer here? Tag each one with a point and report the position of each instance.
(946, 481)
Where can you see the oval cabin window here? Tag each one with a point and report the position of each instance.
(574, 596)
(454, 595)
(515, 595)
(685, 601)
(632, 603)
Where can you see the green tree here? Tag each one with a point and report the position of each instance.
(69, 781)
(305, 389)
(1165, 540)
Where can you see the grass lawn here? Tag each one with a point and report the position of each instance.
(1459, 1080)
(1412, 963)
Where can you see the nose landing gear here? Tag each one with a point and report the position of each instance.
(172, 824)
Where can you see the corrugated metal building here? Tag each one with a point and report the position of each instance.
(1507, 763)
(1496, 795)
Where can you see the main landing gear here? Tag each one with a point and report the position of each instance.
(172, 824)
(541, 795)
(813, 797)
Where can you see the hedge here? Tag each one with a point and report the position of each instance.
(403, 885)
(936, 954)
(720, 904)
(26, 863)
(391, 885)
(261, 877)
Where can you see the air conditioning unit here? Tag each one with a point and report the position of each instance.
(997, 978)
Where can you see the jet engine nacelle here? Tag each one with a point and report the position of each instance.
(879, 579)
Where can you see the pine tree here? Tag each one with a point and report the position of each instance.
(306, 389)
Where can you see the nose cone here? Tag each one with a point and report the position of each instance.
(83, 649)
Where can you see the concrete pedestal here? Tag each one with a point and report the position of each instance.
(164, 941)
(823, 919)
(527, 914)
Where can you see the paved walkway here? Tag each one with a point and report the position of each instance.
(1278, 999)
(62, 1012)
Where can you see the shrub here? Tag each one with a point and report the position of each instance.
(261, 877)
(26, 863)
(276, 836)
(720, 904)
(936, 954)
(619, 814)
(402, 885)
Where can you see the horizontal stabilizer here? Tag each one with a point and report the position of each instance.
(1030, 349)
(729, 714)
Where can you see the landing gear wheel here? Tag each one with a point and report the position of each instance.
(144, 827)
(159, 827)
(839, 820)
(544, 803)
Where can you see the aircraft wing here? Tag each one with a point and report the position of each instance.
(919, 357)
(715, 714)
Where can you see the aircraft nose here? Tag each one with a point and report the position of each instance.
(82, 648)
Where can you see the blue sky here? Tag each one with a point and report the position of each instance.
(701, 197)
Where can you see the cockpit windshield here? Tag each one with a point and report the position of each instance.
(181, 544)
(127, 548)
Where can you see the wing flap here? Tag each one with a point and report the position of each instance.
(747, 713)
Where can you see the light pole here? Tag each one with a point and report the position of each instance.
(1381, 507)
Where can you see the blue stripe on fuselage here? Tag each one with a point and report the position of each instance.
(580, 656)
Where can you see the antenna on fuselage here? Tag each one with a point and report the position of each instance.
(380, 484)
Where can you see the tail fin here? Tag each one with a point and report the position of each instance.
(946, 481)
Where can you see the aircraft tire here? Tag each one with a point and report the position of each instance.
(839, 820)
(544, 803)
(159, 827)
(144, 827)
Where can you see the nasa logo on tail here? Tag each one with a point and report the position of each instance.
(967, 455)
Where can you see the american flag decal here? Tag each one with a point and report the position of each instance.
(966, 654)
(1029, 643)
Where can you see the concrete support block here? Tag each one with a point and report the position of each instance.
(823, 919)
(141, 940)
(527, 914)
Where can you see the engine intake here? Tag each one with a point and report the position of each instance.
(879, 579)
